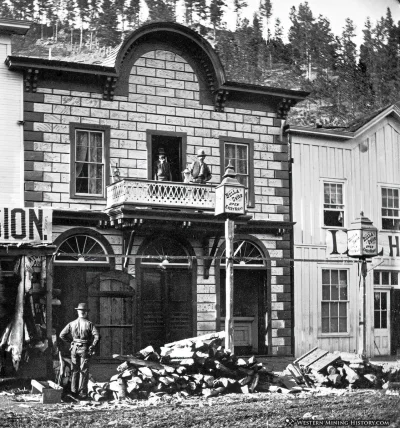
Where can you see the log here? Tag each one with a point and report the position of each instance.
(138, 362)
(254, 382)
(192, 340)
(336, 379)
(351, 375)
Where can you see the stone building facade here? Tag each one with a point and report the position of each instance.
(148, 255)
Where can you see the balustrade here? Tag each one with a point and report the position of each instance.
(166, 194)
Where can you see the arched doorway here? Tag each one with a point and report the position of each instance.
(251, 307)
(82, 255)
(166, 291)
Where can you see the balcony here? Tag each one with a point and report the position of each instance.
(163, 194)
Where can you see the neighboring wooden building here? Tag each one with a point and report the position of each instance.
(337, 173)
(148, 256)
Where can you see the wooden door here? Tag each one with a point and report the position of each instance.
(111, 303)
(166, 306)
(395, 321)
(381, 322)
(248, 309)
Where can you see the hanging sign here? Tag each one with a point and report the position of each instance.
(25, 225)
(362, 243)
(230, 200)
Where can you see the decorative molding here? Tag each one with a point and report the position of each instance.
(209, 74)
(220, 99)
(284, 107)
(30, 79)
(109, 87)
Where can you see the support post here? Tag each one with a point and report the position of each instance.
(362, 337)
(49, 316)
(229, 329)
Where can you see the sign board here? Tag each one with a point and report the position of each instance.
(362, 243)
(25, 225)
(229, 200)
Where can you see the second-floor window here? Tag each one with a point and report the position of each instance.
(390, 209)
(240, 154)
(333, 204)
(89, 157)
(334, 303)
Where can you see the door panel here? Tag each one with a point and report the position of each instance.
(381, 322)
(166, 302)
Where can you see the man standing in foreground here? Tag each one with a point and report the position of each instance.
(83, 337)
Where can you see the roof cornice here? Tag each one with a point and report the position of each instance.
(14, 26)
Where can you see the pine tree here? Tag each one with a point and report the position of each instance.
(5, 11)
(108, 33)
(71, 18)
(238, 5)
(216, 14)
(132, 13)
(266, 13)
(160, 11)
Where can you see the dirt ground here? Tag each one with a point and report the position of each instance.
(323, 408)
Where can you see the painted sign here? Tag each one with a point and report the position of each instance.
(229, 200)
(25, 225)
(336, 243)
(362, 243)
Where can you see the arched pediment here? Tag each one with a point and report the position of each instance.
(178, 39)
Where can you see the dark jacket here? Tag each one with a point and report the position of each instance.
(200, 172)
(81, 331)
(162, 171)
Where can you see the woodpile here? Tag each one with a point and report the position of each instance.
(319, 368)
(195, 366)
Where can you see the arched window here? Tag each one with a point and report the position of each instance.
(165, 251)
(81, 249)
(245, 253)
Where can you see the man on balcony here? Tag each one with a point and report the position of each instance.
(199, 169)
(162, 170)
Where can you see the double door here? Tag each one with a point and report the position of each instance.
(166, 306)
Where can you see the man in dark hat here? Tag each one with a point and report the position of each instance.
(162, 170)
(199, 169)
(83, 336)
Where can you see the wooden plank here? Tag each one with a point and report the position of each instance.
(309, 358)
(323, 362)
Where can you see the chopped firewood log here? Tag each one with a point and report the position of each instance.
(254, 382)
(145, 371)
(208, 380)
(319, 378)
(219, 366)
(244, 371)
(245, 380)
(181, 370)
(331, 370)
(188, 342)
(241, 362)
(222, 381)
(122, 367)
(115, 377)
(182, 353)
(146, 351)
(351, 375)
(245, 389)
(138, 362)
(336, 379)
(372, 379)
(288, 381)
(165, 352)
(252, 360)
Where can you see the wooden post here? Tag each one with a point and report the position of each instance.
(49, 316)
(362, 338)
(229, 329)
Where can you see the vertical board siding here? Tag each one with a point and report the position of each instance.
(363, 174)
(10, 132)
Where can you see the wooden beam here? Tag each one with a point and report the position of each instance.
(128, 248)
(49, 316)
(208, 262)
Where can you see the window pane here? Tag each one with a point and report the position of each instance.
(326, 292)
(342, 325)
(384, 319)
(376, 277)
(385, 278)
(343, 277)
(325, 310)
(334, 325)
(343, 309)
(241, 167)
(325, 325)
(82, 185)
(395, 278)
(229, 153)
(383, 301)
(334, 292)
(377, 319)
(334, 309)
(325, 276)
(377, 301)
(334, 277)
(343, 293)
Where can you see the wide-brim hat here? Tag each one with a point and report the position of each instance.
(201, 153)
(161, 151)
(82, 307)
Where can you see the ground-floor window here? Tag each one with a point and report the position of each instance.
(334, 303)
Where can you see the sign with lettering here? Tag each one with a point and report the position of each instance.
(336, 243)
(229, 200)
(362, 243)
(25, 225)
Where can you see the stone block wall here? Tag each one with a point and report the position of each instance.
(164, 95)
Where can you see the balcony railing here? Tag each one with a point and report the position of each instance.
(165, 194)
